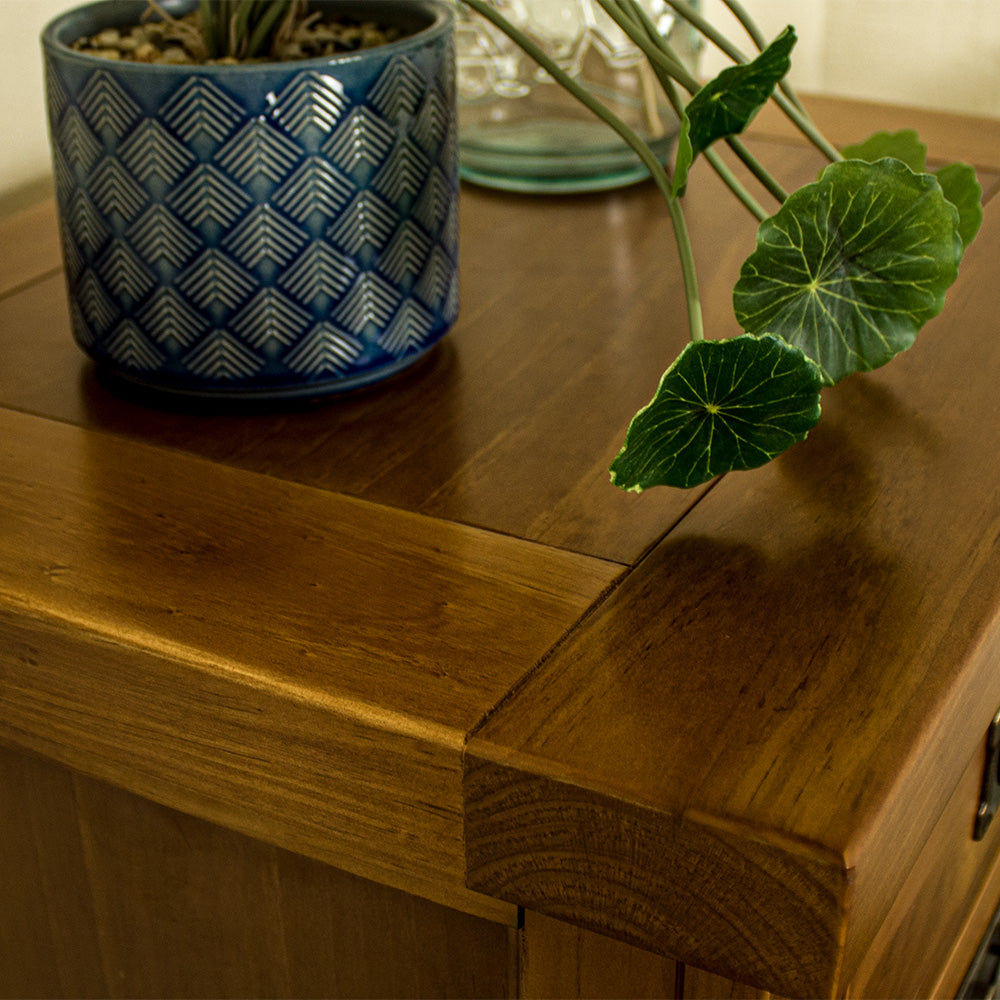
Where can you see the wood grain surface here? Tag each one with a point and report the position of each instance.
(560, 960)
(108, 895)
(512, 422)
(304, 667)
(926, 944)
(772, 710)
(29, 248)
(736, 727)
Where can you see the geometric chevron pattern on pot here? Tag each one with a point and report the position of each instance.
(281, 230)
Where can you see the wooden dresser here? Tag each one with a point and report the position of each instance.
(397, 696)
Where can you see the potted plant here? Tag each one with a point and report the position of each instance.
(844, 274)
(276, 221)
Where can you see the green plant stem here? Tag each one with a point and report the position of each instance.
(798, 117)
(652, 46)
(805, 125)
(645, 153)
(748, 23)
(696, 323)
(706, 28)
(757, 169)
(757, 37)
(641, 18)
(208, 27)
(236, 34)
(634, 21)
(731, 181)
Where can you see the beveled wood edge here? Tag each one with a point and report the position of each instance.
(60, 723)
(552, 844)
(958, 812)
(51, 720)
(875, 848)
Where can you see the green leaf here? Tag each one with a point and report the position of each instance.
(722, 405)
(961, 187)
(904, 145)
(852, 266)
(729, 103)
(957, 180)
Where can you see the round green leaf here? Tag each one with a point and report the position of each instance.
(722, 405)
(961, 187)
(958, 180)
(852, 266)
(904, 145)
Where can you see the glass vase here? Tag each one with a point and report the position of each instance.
(520, 130)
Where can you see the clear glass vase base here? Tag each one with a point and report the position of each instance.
(550, 157)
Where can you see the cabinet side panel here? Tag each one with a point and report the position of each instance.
(107, 894)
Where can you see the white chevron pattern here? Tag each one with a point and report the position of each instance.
(208, 194)
(222, 357)
(315, 187)
(151, 151)
(372, 301)
(399, 89)
(313, 100)
(167, 316)
(87, 226)
(79, 146)
(160, 236)
(366, 222)
(114, 190)
(56, 98)
(131, 349)
(404, 173)
(431, 124)
(107, 105)
(325, 351)
(72, 255)
(258, 150)
(264, 235)
(405, 256)
(435, 282)
(65, 184)
(408, 330)
(362, 138)
(201, 108)
(271, 317)
(95, 305)
(213, 279)
(435, 200)
(123, 274)
(321, 270)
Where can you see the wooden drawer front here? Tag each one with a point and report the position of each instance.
(930, 937)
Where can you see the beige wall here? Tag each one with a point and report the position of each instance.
(931, 53)
(938, 53)
(24, 154)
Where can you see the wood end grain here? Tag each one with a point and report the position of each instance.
(753, 907)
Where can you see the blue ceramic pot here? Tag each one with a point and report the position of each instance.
(262, 231)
